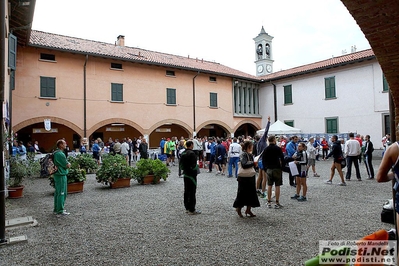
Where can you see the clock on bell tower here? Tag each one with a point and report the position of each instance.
(263, 53)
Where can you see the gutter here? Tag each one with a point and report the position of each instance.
(85, 98)
(275, 101)
(194, 123)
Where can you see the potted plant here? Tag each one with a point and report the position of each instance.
(149, 171)
(114, 171)
(75, 178)
(18, 171)
(87, 162)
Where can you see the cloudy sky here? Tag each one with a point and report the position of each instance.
(304, 31)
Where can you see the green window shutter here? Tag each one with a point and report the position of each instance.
(330, 87)
(12, 51)
(332, 125)
(47, 87)
(289, 123)
(385, 86)
(288, 94)
(213, 99)
(12, 80)
(116, 92)
(170, 96)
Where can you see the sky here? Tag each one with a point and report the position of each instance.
(220, 31)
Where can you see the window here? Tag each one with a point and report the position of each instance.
(330, 87)
(288, 94)
(387, 124)
(171, 96)
(116, 66)
(246, 98)
(47, 87)
(213, 99)
(289, 123)
(48, 57)
(170, 73)
(116, 92)
(332, 125)
(212, 79)
(385, 85)
(12, 51)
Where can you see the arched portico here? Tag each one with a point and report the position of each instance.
(214, 128)
(246, 128)
(34, 130)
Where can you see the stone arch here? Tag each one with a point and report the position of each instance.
(40, 119)
(246, 122)
(113, 120)
(171, 121)
(218, 122)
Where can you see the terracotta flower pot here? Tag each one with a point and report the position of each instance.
(75, 187)
(150, 179)
(15, 192)
(121, 182)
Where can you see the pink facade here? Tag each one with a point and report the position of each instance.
(143, 111)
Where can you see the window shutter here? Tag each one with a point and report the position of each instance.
(12, 51)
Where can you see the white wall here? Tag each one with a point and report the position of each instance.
(359, 106)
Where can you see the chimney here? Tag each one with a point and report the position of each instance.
(120, 40)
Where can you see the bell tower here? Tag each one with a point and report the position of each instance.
(263, 53)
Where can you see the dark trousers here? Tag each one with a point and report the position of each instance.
(211, 161)
(325, 153)
(369, 165)
(349, 161)
(190, 188)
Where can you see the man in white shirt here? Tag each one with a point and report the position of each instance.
(352, 151)
(125, 150)
(234, 157)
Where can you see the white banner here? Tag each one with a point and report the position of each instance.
(47, 124)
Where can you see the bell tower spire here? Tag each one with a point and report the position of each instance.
(263, 53)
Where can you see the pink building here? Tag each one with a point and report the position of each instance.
(94, 89)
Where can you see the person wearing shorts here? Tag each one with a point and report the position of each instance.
(273, 162)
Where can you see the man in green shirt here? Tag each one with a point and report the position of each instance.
(60, 178)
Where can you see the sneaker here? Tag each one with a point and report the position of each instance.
(269, 204)
(209, 171)
(218, 173)
(359, 179)
(370, 178)
(229, 176)
(223, 174)
(278, 206)
(302, 198)
(194, 212)
(329, 182)
(316, 175)
(263, 195)
(258, 192)
(295, 196)
(64, 213)
(342, 184)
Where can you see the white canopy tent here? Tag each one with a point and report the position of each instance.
(279, 128)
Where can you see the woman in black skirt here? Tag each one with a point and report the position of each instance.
(246, 193)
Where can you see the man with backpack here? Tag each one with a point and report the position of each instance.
(60, 178)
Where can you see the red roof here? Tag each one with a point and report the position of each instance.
(77, 45)
(325, 64)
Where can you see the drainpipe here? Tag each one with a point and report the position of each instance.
(84, 98)
(194, 125)
(2, 89)
(275, 101)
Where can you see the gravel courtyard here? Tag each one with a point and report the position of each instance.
(147, 225)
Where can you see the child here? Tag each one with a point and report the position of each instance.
(301, 159)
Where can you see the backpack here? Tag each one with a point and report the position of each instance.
(47, 166)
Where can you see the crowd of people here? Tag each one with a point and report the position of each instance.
(268, 156)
